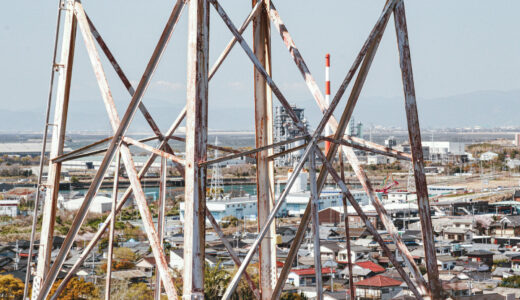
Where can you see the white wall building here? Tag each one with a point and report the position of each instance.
(100, 204)
(487, 156)
(9, 207)
(445, 148)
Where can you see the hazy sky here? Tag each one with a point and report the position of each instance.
(457, 47)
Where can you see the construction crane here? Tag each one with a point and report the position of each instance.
(387, 184)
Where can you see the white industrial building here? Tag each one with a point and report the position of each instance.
(100, 204)
(294, 204)
(488, 156)
(9, 207)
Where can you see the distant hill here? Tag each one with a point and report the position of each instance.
(485, 109)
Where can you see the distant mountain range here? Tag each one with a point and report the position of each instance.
(487, 109)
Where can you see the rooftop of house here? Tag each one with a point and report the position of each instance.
(371, 266)
(479, 253)
(312, 271)
(378, 281)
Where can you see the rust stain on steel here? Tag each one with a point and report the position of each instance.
(196, 141)
(64, 157)
(114, 145)
(328, 117)
(264, 137)
(251, 152)
(130, 89)
(155, 243)
(361, 144)
(120, 204)
(149, 148)
(368, 224)
(258, 65)
(58, 139)
(416, 147)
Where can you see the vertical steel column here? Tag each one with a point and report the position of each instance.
(264, 136)
(58, 138)
(347, 230)
(196, 139)
(315, 225)
(112, 227)
(161, 206)
(414, 132)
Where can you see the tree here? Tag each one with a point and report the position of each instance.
(216, 280)
(124, 253)
(11, 287)
(76, 289)
(293, 296)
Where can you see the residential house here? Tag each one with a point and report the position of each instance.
(481, 256)
(377, 287)
(177, 259)
(459, 234)
(457, 289)
(356, 252)
(372, 266)
(307, 277)
(446, 262)
(508, 226)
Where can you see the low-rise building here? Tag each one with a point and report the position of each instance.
(488, 156)
(9, 207)
(377, 287)
(307, 277)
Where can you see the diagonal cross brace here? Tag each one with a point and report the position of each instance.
(114, 145)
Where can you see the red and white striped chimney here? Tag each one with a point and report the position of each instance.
(327, 97)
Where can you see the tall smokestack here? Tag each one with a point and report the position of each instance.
(327, 97)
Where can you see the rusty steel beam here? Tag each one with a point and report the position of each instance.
(385, 219)
(112, 229)
(215, 147)
(271, 157)
(379, 150)
(312, 142)
(414, 132)
(356, 90)
(161, 207)
(370, 227)
(263, 137)
(377, 32)
(114, 145)
(366, 54)
(258, 65)
(232, 253)
(250, 152)
(351, 288)
(128, 85)
(71, 155)
(196, 150)
(315, 197)
(58, 140)
(232, 42)
(173, 158)
(120, 204)
(28, 271)
(139, 196)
